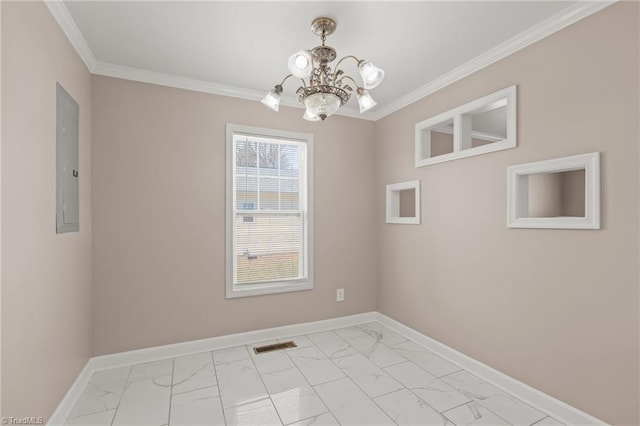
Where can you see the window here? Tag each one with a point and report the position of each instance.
(269, 220)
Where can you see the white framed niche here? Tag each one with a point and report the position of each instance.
(559, 193)
(403, 203)
(485, 125)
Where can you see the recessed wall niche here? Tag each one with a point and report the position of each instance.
(485, 125)
(558, 193)
(403, 203)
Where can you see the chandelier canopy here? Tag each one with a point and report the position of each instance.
(325, 90)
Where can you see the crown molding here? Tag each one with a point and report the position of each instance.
(169, 80)
(152, 77)
(71, 30)
(542, 30)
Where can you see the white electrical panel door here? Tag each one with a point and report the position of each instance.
(67, 171)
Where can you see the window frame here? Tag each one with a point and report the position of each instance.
(269, 287)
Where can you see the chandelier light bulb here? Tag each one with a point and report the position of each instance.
(371, 75)
(272, 99)
(301, 64)
(365, 100)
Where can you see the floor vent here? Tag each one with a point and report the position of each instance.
(274, 347)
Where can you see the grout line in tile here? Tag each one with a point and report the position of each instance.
(339, 338)
(486, 408)
(444, 416)
(453, 408)
(310, 417)
(432, 407)
(333, 360)
(192, 390)
(477, 402)
(416, 395)
(457, 406)
(173, 370)
(265, 388)
(309, 383)
(422, 399)
(330, 381)
(92, 412)
(362, 390)
(545, 417)
(438, 377)
(538, 421)
(126, 382)
(390, 392)
(509, 394)
(215, 372)
(390, 365)
(378, 405)
(448, 374)
(88, 414)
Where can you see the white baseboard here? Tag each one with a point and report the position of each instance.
(214, 343)
(122, 359)
(537, 399)
(543, 402)
(66, 405)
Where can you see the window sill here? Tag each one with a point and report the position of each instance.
(246, 290)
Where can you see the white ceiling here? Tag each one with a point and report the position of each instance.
(242, 47)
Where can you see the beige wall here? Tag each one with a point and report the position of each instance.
(1, 412)
(557, 309)
(573, 193)
(407, 203)
(46, 278)
(159, 209)
(441, 143)
(545, 195)
(556, 194)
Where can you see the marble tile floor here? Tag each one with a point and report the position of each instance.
(361, 375)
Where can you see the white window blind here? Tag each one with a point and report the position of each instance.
(270, 229)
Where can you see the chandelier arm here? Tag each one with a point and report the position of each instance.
(349, 77)
(346, 57)
(285, 79)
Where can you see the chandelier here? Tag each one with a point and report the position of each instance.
(326, 89)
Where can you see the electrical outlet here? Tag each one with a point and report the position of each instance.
(340, 295)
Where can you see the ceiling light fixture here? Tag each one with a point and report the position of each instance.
(326, 90)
